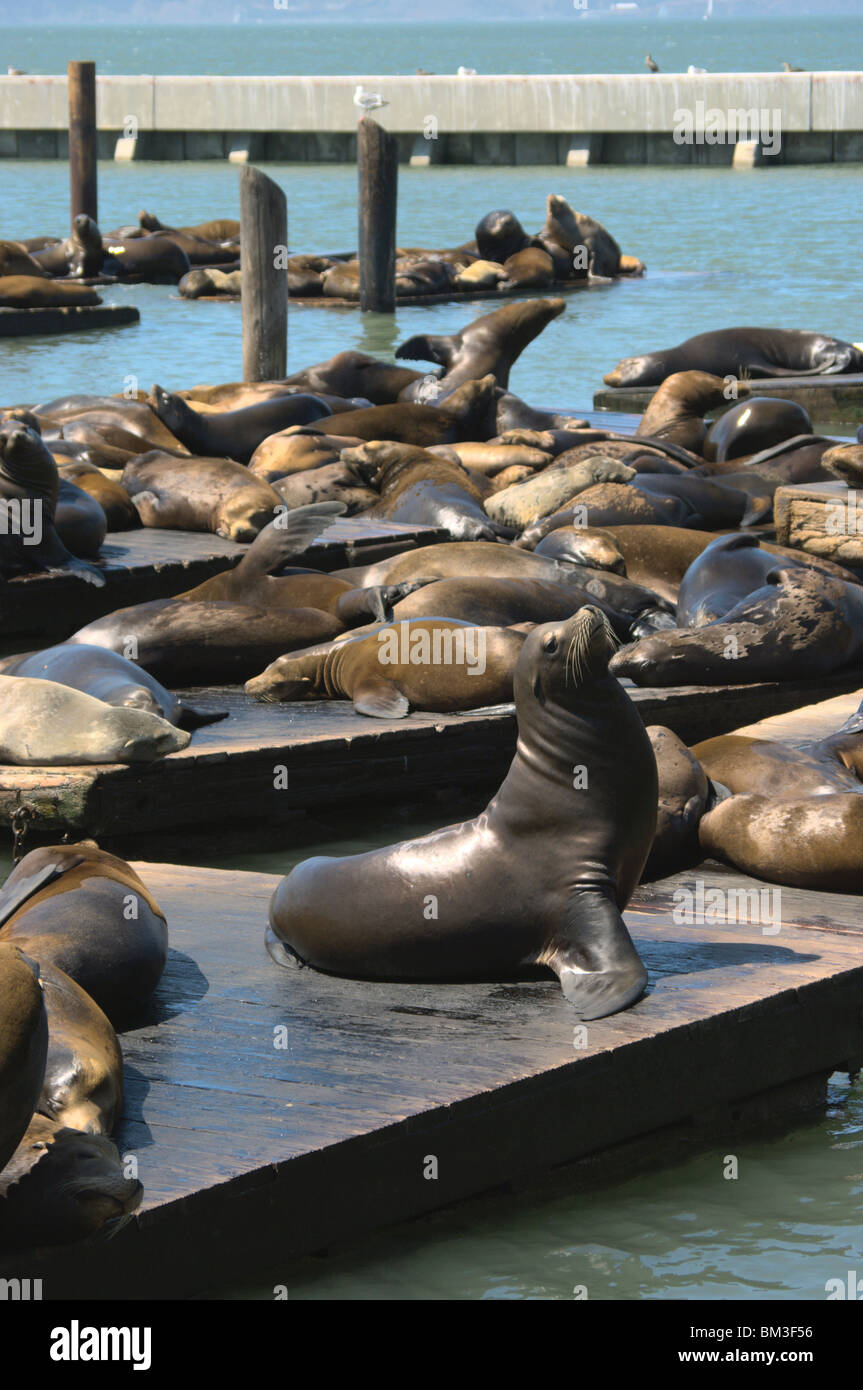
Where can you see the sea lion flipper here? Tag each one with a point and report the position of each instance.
(380, 699)
(279, 951)
(190, 718)
(599, 969)
(11, 898)
(426, 347)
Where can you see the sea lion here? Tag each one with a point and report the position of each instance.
(83, 1083)
(356, 374)
(32, 292)
(678, 408)
(234, 434)
(210, 280)
(131, 424)
(187, 642)
(217, 229)
(710, 504)
(468, 413)
(532, 268)
(540, 877)
(114, 500)
(155, 259)
(23, 1046)
(491, 458)
(200, 494)
(80, 520)
(62, 1185)
(330, 482)
(293, 451)
(742, 352)
(420, 275)
(725, 572)
(43, 723)
(684, 795)
(499, 235)
(81, 256)
(813, 843)
(16, 259)
(615, 504)
(341, 280)
(488, 345)
(87, 913)
(524, 503)
(423, 489)
(430, 663)
(799, 623)
(497, 602)
(753, 425)
(29, 488)
(766, 767)
(795, 460)
(561, 239)
(108, 677)
(480, 275)
(604, 254)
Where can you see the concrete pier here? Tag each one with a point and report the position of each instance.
(741, 120)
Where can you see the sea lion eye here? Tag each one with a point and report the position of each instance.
(550, 644)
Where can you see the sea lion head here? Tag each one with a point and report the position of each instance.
(499, 235)
(560, 660)
(27, 464)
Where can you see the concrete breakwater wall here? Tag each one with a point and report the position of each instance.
(664, 118)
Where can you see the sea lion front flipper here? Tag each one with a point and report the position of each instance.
(599, 969)
(280, 952)
(11, 898)
(426, 347)
(380, 699)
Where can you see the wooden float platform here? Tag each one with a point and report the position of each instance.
(150, 563)
(829, 400)
(69, 318)
(334, 756)
(278, 1113)
(403, 301)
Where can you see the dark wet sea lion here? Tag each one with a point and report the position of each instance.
(32, 292)
(62, 1186)
(29, 489)
(753, 425)
(539, 878)
(434, 663)
(684, 794)
(83, 1083)
(234, 434)
(155, 259)
(89, 914)
(678, 408)
(710, 505)
(23, 1046)
(813, 843)
(187, 642)
(499, 235)
(725, 572)
(488, 345)
(356, 374)
(107, 676)
(742, 352)
(800, 624)
(80, 520)
(80, 256)
(200, 494)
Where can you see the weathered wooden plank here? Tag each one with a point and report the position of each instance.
(252, 1155)
(832, 400)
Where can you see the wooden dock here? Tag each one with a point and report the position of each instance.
(333, 756)
(830, 401)
(150, 563)
(404, 301)
(278, 1113)
(69, 318)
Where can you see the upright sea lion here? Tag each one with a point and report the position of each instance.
(234, 434)
(187, 642)
(81, 256)
(200, 494)
(754, 424)
(678, 408)
(61, 1185)
(539, 878)
(603, 251)
(108, 677)
(23, 1046)
(87, 913)
(29, 488)
(742, 352)
(44, 723)
(429, 663)
(83, 1083)
(488, 345)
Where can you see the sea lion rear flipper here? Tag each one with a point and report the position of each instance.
(426, 347)
(14, 897)
(380, 699)
(280, 952)
(599, 969)
(288, 536)
(190, 718)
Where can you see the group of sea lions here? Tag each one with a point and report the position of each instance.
(205, 260)
(82, 947)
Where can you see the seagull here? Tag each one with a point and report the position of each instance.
(466, 72)
(693, 70)
(368, 101)
(654, 67)
(789, 67)
(17, 72)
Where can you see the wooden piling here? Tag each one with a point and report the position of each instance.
(377, 170)
(264, 240)
(83, 141)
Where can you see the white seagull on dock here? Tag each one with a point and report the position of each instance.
(368, 101)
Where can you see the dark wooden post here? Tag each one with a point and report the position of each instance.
(377, 166)
(264, 249)
(83, 140)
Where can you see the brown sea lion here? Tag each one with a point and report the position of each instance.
(678, 408)
(200, 494)
(83, 1083)
(539, 878)
(684, 795)
(423, 489)
(112, 497)
(766, 767)
(29, 489)
(23, 1046)
(488, 345)
(816, 842)
(15, 259)
(468, 413)
(31, 292)
(742, 352)
(356, 374)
